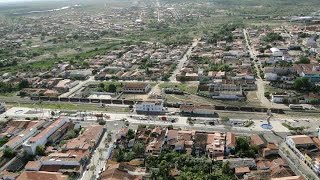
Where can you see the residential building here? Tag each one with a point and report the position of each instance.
(278, 98)
(215, 144)
(230, 142)
(41, 139)
(271, 149)
(79, 74)
(64, 85)
(136, 88)
(31, 175)
(257, 140)
(30, 131)
(302, 142)
(74, 155)
(299, 141)
(179, 140)
(310, 71)
(118, 172)
(289, 178)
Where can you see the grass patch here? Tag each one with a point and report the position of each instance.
(192, 89)
(70, 106)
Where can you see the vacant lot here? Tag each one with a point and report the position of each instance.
(188, 88)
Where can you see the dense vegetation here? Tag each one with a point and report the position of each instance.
(224, 33)
(191, 168)
(271, 37)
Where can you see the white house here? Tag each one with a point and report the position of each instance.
(270, 76)
(23, 136)
(41, 139)
(149, 107)
(278, 98)
(276, 52)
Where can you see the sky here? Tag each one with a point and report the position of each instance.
(12, 1)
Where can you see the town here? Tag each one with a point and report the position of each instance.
(159, 90)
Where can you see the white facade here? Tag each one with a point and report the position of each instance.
(270, 76)
(18, 140)
(137, 89)
(277, 98)
(41, 139)
(149, 107)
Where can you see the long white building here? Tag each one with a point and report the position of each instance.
(41, 139)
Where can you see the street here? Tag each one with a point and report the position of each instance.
(259, 81)
(183, 60)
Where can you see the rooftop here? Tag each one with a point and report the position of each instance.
(301, 139)
(46, 131)
(41, 175)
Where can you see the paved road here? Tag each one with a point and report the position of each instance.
(183, 60)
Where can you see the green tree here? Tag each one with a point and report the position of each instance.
(23, 84)
(138, 149)
(40, 150)
(130, 134)
(244, 149)
(112, 88)
(70, 135)
(8, 152)
(226, 168)
(303, 60)
(302, 84)
(3, 141)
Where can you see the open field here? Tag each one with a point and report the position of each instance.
(252, 100)
(188, 88)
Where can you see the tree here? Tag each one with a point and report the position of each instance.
(119, 154)
(303, 60)
(102, 122)
(138, 149)
(3, 141)
(225, 119)
(8, 152)
(112, 88)
(244, 149)
(302, 84)
(130, 134)
(40, 150)
(226, 168)
(23, 84)
(271, 37)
